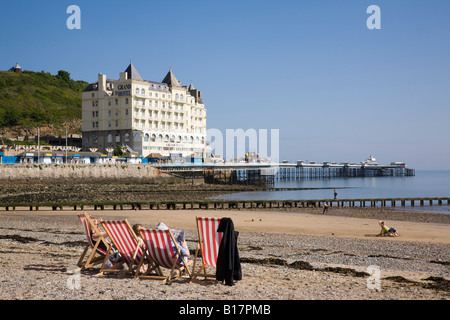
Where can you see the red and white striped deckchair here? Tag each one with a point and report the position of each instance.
(164, 251)
(208, 242)
(98, 253)
(126, 242)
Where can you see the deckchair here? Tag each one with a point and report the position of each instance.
(97, 254)
(126, 242)
(208, 243)
(160, 246)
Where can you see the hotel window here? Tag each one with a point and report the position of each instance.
(176, 96)
(109, 123)
(117, 137)
(117, 123)
(146, 138)
(143, 92)
(109, 102)
(137, 91)
(116, 102)
(126, 112)
(126, 100)
(109, 113)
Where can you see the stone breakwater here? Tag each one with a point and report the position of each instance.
(70, 172)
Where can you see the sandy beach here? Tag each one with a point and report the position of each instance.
(285, 255)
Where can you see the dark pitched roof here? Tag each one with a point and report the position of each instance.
(132, 73)
(171, 80)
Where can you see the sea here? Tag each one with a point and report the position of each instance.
(425, 183)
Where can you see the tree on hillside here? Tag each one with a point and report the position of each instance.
(64, 75)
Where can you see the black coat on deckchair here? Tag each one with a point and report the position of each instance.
(228, 265)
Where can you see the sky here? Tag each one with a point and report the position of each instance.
(335, 89)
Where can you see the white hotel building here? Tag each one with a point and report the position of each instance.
(145, 117)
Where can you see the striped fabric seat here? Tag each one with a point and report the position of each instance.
(164, 252)
(126, 242)
(87, 228)
(98, 253)
(160, 249)
(208, 242)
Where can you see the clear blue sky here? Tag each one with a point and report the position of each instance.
(336, 90)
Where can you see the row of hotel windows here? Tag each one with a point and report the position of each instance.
(152, 114)
(141, 92)
(142, 103)
(158, 125)
(142, 125)
(178, 97)
(151, 125)
(159, 138)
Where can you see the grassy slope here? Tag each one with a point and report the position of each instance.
(34, 99)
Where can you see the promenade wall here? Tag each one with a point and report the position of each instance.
(78, 172)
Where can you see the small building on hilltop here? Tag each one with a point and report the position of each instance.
(16, 68)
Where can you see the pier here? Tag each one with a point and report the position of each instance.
(267, 173)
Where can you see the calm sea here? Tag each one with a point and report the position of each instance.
(425, 183)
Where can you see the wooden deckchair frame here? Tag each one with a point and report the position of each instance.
(96, 255)
(176, 266)
(201, 247)
(133, 264)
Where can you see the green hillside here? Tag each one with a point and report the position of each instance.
(38, 99)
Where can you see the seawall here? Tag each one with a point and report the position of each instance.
(78, 172)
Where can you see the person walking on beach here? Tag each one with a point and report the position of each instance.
(335, 194)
